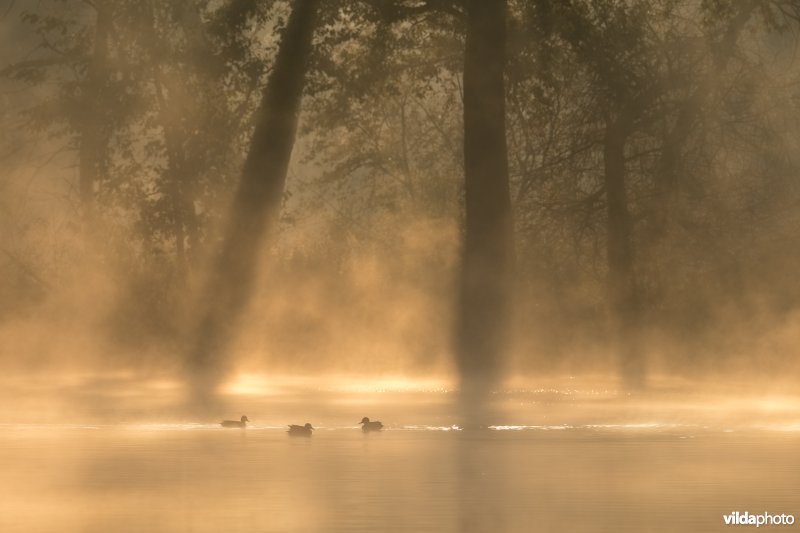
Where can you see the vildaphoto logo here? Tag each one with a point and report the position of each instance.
(746, 519)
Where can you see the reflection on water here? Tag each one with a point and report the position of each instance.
(171, 478)
(580, 464)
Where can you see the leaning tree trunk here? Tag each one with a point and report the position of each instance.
(488, 250)
(257, 201)
(622, 289)
(91, 151)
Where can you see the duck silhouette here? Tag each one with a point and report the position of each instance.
(366, 425)
(300, 431)
(235, 423)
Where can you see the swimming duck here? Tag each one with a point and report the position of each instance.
(370, 426)
(235, 423)
(300, 431)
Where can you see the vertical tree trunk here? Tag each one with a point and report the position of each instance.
(182, 176)
(622, 289)
(669, 166)
(181, 188)
(91, 151)
(257, 201)
(185, 174)
(488, 251)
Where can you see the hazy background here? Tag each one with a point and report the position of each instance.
(362, 274)
(554, 250)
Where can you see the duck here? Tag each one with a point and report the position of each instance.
(300, 431)
(235, 423)
(366, 425)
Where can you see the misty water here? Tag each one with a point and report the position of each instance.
(197, 193)
(114, 453)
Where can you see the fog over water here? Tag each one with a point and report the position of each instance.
(577, 459)
(552, 246)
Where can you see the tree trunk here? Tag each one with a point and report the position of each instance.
(622, 288)
(91, 156)
(257, 201)
(181, 187)
(181, 175)
(488, 251)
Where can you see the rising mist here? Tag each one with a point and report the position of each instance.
(651, 159)
(545, 251)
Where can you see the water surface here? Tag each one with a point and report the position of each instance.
(549, 464)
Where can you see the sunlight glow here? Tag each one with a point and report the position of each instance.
(261, 385)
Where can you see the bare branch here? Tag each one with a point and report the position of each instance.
(34, 63)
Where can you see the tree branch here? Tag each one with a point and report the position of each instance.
(34, 63)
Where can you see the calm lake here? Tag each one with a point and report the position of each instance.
(556, 461)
